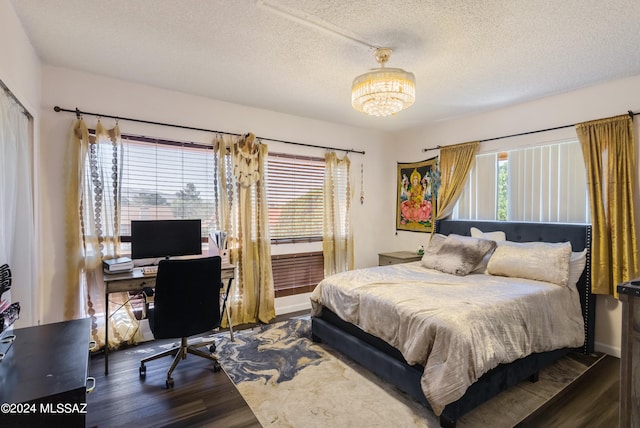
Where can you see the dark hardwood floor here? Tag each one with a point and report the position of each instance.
(591, 401)
(201, 397)
(204, 398)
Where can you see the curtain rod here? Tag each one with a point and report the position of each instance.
(150, 122)
(629, 112)
(15, 99)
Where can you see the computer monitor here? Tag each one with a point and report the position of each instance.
(165, 238)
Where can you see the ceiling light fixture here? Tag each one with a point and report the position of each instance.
(383, 91)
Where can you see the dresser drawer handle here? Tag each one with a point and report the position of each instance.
(93, 384)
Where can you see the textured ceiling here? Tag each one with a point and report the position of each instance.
(300, 56)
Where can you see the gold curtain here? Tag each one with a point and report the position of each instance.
(337, 239)
(93, 174)
(241, 207)
(75, 158)
(608, 149)
(455, 163)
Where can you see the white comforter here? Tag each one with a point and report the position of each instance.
(458, 328)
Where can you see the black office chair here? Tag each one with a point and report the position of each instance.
(186, 302)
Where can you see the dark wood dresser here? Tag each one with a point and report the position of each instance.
(630, 356)
(43, 376)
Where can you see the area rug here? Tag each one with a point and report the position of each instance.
(289, 381)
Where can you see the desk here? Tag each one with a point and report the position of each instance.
(135, 281)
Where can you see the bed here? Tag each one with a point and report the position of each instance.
(415, 377)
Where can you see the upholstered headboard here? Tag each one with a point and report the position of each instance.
(578, 234)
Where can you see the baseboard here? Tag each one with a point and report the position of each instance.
(289, 304)
(607, 349)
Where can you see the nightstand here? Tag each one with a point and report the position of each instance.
(397, 257)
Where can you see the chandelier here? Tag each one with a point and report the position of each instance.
(383, 91)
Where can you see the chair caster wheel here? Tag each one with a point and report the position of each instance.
(216, 367)
(142, 370)
(169, 383)
(212, 348)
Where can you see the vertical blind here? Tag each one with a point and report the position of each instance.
(548, 184)
(544, 183)
(479, 198)
(294, 196)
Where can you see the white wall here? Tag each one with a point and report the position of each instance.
(20, 71)
(71, 89)
(19, 65)
(595, 102)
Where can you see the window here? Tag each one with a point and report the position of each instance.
(544, 183)
(294, 196)
(165, 180)
(297, 273)
(295, 200)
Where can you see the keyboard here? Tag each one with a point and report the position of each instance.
(149, 270)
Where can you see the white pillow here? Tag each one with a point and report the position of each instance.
(458, 255)
(497, 236)
(577, 263)
(541, 261)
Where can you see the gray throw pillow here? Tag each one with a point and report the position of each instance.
(458, 255)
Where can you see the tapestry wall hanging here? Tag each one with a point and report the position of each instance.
(416, 201)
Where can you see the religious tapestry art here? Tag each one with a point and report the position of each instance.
(415, 206)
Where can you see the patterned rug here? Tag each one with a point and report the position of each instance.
(289, 381)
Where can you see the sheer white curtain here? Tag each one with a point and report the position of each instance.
(479, 199)
(242, 213)
(337, 240)
(16, 207)
(548, 184)
(94, 171)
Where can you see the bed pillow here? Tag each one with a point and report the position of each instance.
(577, 263)
(541, 261)
(458, 255)
(498, 236)
(435, 243)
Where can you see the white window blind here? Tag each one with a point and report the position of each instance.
(166, 180)
(548, 183)
(294, 196)
(297, 273)
(478, 200)
(544, 183)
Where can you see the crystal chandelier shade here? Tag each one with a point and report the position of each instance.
(383, 91)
